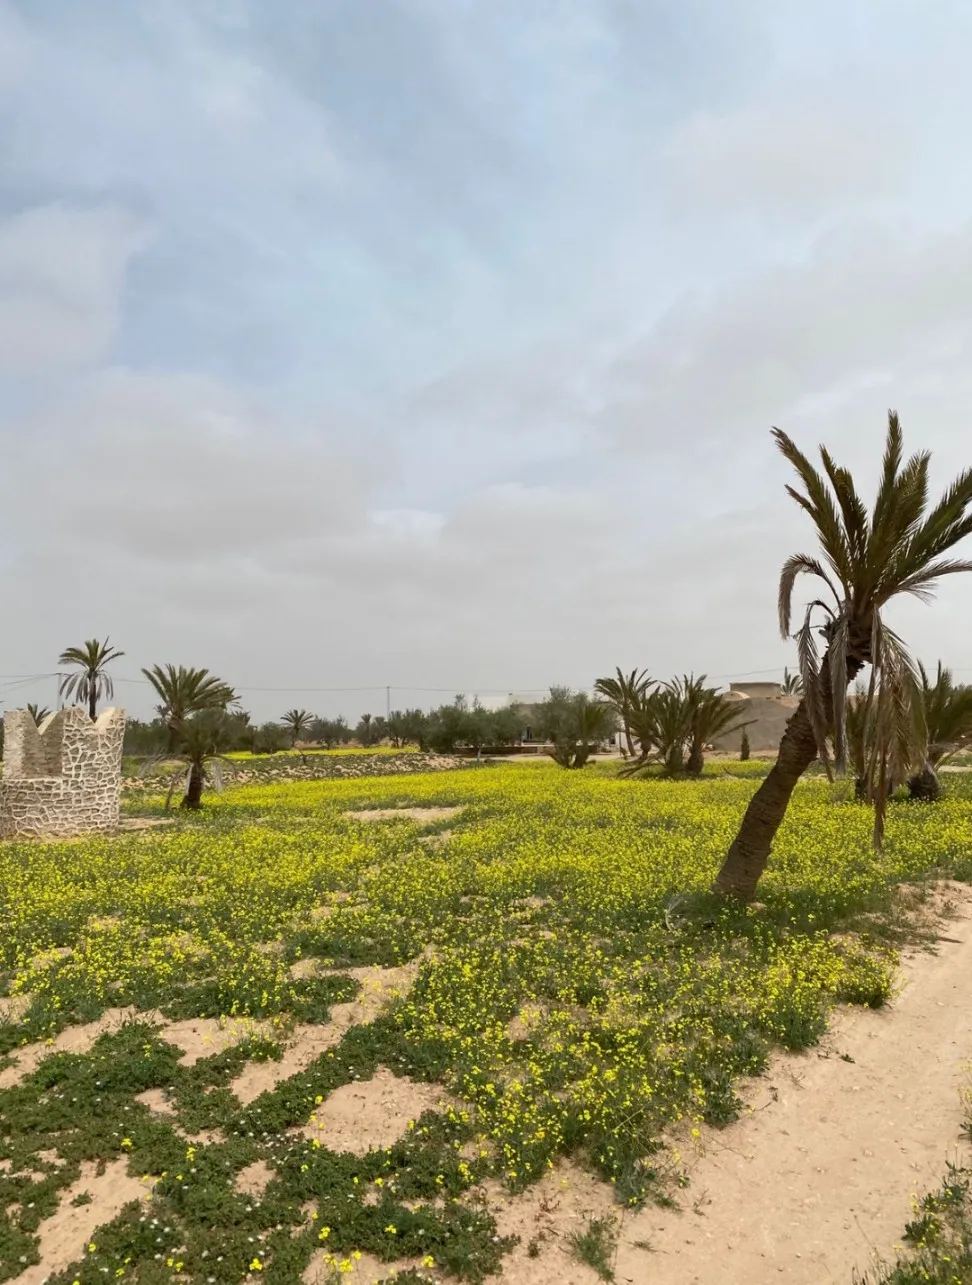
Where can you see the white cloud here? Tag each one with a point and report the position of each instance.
(873, 307)
(777, 158)
(184, 470)
(62, 271)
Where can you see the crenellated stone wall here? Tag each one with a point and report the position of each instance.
(62, 778)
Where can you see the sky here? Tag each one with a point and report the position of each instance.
(435, 344)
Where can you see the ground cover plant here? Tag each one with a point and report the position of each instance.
(572, 989)
(938, 1240)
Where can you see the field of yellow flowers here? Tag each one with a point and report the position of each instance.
(576, 992)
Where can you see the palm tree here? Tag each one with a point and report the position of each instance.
(676, 721)
(792, 684)
(364, 730)
(947, 710)
(711, 714)
(863, 750)
(661, 722)
(91, 681)
(575, 724)
(38, 713)
(623, 693)
(200, 740)
(298, 721)
(183, 692)
(866, 561)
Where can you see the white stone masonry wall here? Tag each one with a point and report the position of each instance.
(62, 778)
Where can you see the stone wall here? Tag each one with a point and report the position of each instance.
(62, 778)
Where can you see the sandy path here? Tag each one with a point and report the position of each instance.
(821, 1171)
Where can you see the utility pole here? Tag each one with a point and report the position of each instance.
(387, 703)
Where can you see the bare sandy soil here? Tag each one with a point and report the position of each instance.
(427, 815)
(368, 1115)
(64, 1235)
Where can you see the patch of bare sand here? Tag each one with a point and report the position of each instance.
(203, 1036)
(426, 815)
(64, 1236)
(73, 1039)
(13, 1007)
(365, 1269)
(820, 1171)
(253, 1180)
(369, 1115)
(544, 1217)
(379, 986)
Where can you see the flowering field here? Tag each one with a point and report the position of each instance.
(563, 979)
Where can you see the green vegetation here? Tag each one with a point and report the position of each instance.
(938, 1239)
(576, 990)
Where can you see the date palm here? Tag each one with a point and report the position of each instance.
(865, 561)
(623, 693)
(90, 681)
(297, 721)
(661, 722)
(183, 692)
(947, 710)
(792, 684)
(711, 714)
(38, 713)
(201, 740)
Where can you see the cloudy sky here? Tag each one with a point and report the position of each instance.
(435, 343)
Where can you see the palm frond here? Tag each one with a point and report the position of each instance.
(796, 565)
(819, 503)
(809, 666)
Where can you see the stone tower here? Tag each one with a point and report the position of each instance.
(63, 777)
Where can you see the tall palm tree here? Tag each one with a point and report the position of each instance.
(91, 680)
(623, 693)
(298, 721)
(38, 713)
(865, 561)
(183, 692)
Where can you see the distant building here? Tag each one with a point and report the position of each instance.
(766, 711)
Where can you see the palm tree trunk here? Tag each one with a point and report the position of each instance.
(925, 786)
(194, 789)
(92, 698)
(747, 857)
(696, 760)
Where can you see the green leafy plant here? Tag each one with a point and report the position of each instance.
(947, 714)
(575, 724)
(596, 1245)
